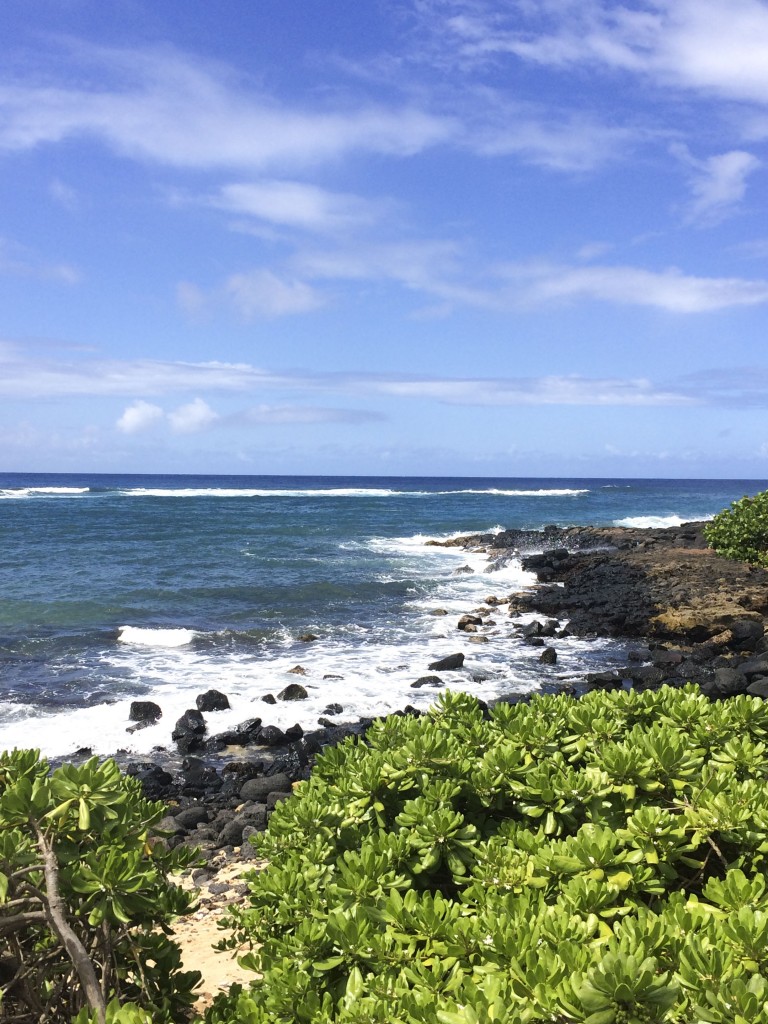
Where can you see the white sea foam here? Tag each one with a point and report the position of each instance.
(155, 637)
(657, 522)
(31, 492)
(558, 492)
(259, 492)
(367, 669)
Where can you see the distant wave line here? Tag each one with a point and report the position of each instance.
(249, 492)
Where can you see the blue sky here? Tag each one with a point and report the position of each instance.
(449, 237)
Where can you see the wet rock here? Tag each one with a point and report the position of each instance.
(298, 670)
(308, 638)
(188, 731)
(427, 681)
(294, 732)
(144, 711)
(438, 611)
(463, 570)
(548, 656)
(212, 700)
(333, 709)
(469, 620)
(269, 698)
(331, 675)
(294, 691)
(448, 664)
(270, 736)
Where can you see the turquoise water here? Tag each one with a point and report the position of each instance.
(119, 587)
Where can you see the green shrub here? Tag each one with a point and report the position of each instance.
(600, 860)
(85, 898)
(741, 531)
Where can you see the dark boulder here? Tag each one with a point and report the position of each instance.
(256, 790)
(269, 698)
(726, 682)
(189, 731)
(427, 681)
(333, 709)
(212, 700)
(144, 711)
(548, 656)
(189, 817)
(448, 664)
(293, 691)
(270, 736)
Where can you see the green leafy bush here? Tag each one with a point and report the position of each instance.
(600, 861)
(741, 531)
(85, 898)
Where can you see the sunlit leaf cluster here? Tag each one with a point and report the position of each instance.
(741, 531)
(601, 860)
(82, 881)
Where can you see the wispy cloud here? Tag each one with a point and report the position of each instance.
(18, 261)
(670, 290)
(162, 106)
(296, 204)
(718, 183)
(26, 375)
(262, 293)
(716, 47)
(440, 270)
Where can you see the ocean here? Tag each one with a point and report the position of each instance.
(122, 588)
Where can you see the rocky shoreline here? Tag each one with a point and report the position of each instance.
(689, 614)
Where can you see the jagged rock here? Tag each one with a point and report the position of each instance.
(298, 670)
(144, 711)
(188, 731)
(212, 700)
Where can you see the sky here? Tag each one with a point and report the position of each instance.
(392, 237)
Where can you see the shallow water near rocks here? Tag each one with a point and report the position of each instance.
(122, 588)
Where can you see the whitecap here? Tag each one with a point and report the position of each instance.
(155, 637)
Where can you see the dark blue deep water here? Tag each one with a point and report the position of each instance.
(114, 588)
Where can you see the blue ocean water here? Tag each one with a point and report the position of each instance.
(116, 588)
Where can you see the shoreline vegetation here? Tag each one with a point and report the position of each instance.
(691, 616)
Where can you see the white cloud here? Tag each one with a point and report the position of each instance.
(165, 107)
(718, 46)
(718, 183)
(195, 415)
(435, 268)
(669, 290)
(31, 374)
(262, 293)
(303, 414)
(296, 204)
(139, 416)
